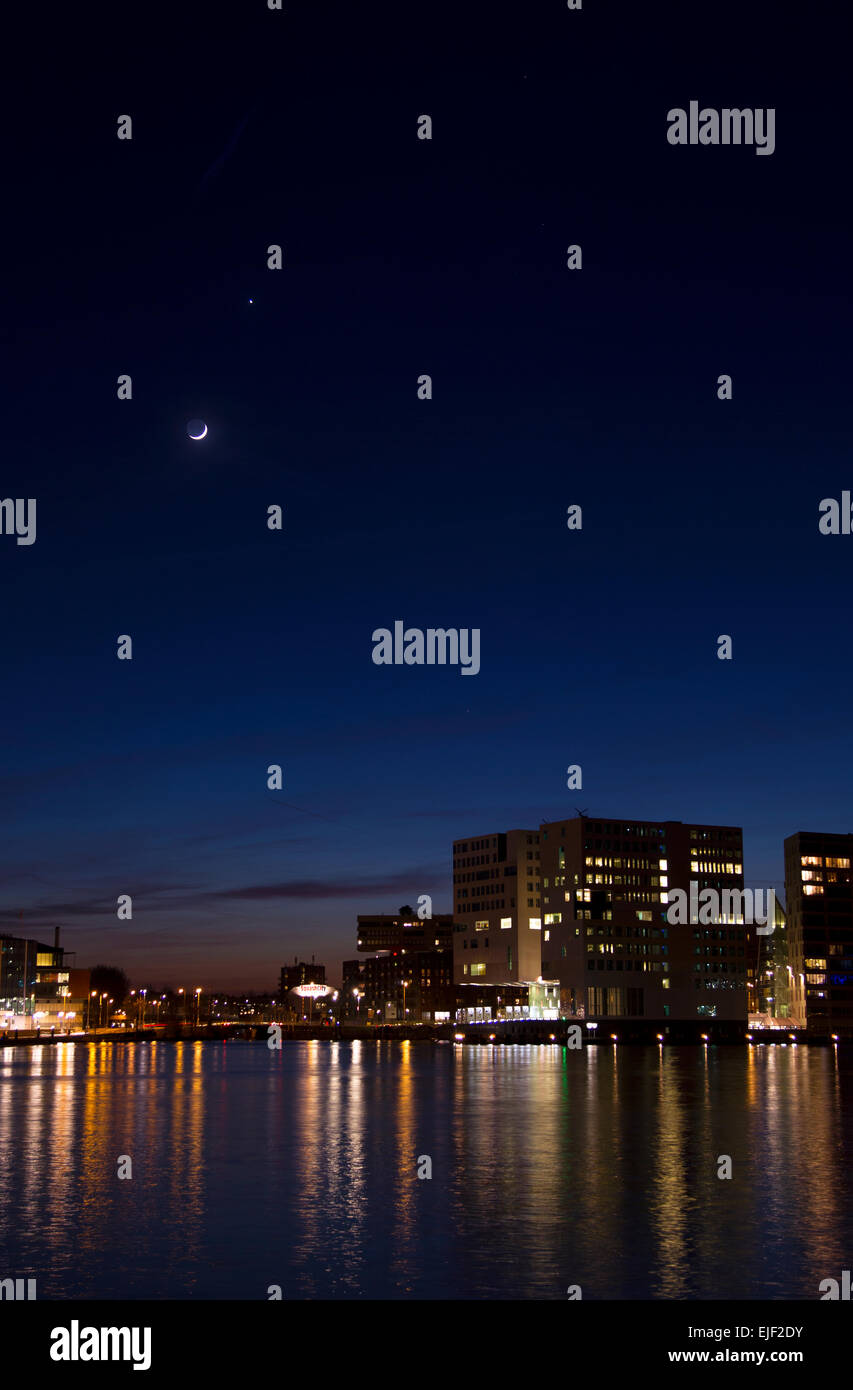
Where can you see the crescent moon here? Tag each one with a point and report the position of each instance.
(199, 436)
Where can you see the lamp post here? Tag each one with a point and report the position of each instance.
(198, 1006)
(89, 1009)
(184, 1002)
(403, 983)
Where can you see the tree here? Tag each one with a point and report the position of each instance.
(110, 980)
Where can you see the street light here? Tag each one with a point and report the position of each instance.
(197, 1005)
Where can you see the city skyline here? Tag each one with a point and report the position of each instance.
(109, 948)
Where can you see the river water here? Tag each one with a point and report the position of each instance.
(299, 1168)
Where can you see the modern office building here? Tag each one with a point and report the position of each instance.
(772, 988)
(409, 973)
(819, 894)
(507, 1003)
(405, 931)
(300, 973)
(496, 908)
(373, 993)
(606, 885)
(391, 987)
(34, 979)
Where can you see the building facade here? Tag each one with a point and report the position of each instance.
(392, 987)
(819, 894)
(300, 973)
(496, 908)
(35, 982)
(606, 886)
(773, 994)
(507, 1003)
(405, 932)
(407, 974)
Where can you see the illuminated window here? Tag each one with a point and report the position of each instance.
(662, 864)
(479, 968)
(536, 924)
(44, 958)
(809, 875)
(819, 979)
(811, 859)
(506, 923)
(815, 963)
(838, 863)
(810, 888)
(547, 936)
(552, 918)
(481, 926)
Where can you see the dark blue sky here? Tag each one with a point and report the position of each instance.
(403, 257)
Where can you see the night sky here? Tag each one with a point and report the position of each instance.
(551, 387)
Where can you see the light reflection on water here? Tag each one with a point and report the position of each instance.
(253, 1167)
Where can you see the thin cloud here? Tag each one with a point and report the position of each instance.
(317, 889)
